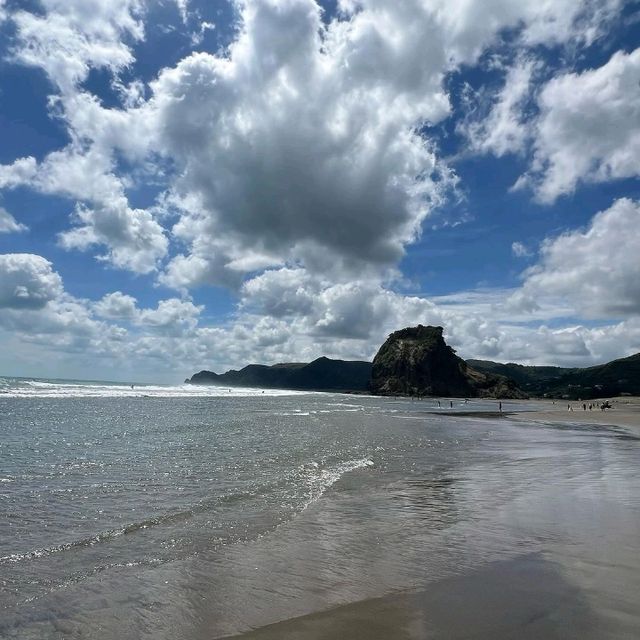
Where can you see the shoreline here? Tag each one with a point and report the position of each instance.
(624, 413)
(498, 601)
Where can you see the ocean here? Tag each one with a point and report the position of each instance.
(204, 512)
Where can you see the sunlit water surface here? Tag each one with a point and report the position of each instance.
(195, 512)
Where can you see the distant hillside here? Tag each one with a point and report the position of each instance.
(322, 374)
(602, 381)
(417, 361)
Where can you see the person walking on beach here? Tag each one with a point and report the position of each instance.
(500, 407)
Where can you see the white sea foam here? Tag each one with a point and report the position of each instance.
(319, 479)
(13, 388)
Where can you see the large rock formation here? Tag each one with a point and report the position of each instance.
(417, 361)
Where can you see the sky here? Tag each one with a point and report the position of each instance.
(201, 184)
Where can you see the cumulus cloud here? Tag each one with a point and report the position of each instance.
(301, 143)
(588, 128)
(285, 155)
(309, 153)
(37, 310)
(319, 318)
(67, 39)
(302, 150)
(172, 316)
(27, 281)
(8, 223)
(135, 240)
(116, 306)
(597, 268)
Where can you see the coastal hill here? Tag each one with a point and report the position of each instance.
(417, 361)
(618, 377)
(322, 374)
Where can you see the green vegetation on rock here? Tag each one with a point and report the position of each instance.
(602, 381)
(416, 361)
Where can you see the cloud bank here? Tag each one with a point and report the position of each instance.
(295, 167)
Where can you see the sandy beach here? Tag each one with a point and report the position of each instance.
(377, 518)
(625, 412)
(501, 600)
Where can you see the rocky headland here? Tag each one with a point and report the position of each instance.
(416, 361)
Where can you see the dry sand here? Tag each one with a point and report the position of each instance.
(625, 412)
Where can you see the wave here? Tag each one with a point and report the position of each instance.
(321, 479)
(316, 480)
(25, 388)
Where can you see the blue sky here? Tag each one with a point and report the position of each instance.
(188, 184)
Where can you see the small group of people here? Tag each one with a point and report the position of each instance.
(592, 405)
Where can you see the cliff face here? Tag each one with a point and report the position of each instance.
(417, 361)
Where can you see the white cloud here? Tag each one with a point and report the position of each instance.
(99, 336)
(21, 171)
(172, 316)
(596, 269)
(520, 250)
(299, 150)
(308, 153)
(8, 223)
(505, 128)
(27, 281)
(66, 40)
(116, 306)
(589, 128)
(135, 240)
(347, 321)
(298, 144)
(72, 36)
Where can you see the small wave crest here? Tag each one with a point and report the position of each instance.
(320, 479)
(312, 480)
(24, 388)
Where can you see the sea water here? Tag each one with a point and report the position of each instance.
(199, 512)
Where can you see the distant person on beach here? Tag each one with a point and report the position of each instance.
(500, 406)
(439, 405)
(451, 404)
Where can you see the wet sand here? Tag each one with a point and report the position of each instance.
(625, 412)
(525, 598)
